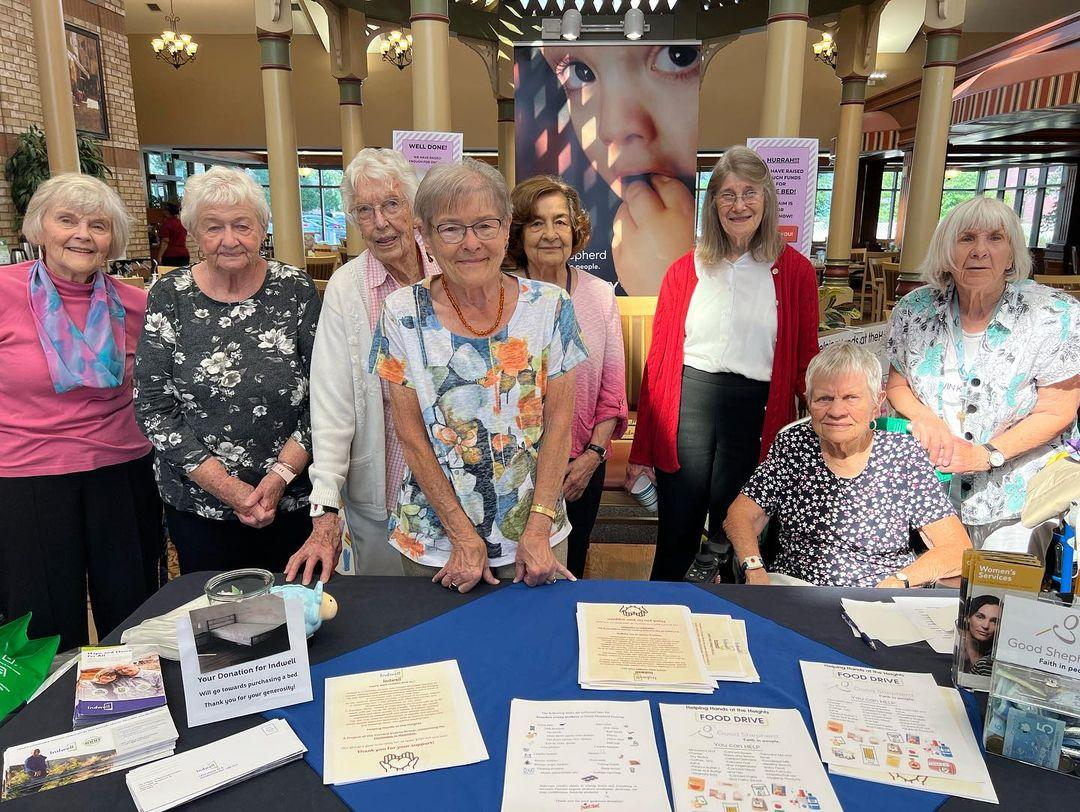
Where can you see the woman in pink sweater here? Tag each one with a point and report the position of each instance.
(77, 493)
(549, 226)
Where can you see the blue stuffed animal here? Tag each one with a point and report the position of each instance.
(318, 605)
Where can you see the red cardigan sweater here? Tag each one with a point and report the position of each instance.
(661, 385)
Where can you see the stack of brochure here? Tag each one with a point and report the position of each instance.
(640, 647)
(70, 757)
(199, 772)
(723, 643)
(116, 681)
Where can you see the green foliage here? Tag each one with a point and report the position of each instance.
(835, 312)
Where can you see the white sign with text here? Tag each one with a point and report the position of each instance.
(1040, 635)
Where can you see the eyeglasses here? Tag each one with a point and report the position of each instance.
(453, 233)
(749, 197)
(389, 207)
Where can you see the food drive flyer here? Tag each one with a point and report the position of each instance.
(891, 721)
(734, 759)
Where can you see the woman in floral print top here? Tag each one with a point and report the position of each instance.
(221, 379)
(986, 364)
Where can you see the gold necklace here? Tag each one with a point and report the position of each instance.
(461, 316)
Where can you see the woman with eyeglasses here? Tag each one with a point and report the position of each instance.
(735, 329)
(358, 463)
(481, 372)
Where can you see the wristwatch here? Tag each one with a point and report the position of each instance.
(601, 452)
(321, 510)
(283, 471)
(752, 562)
(899, 576)
(997, 459)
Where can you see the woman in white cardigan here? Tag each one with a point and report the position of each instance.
(357, 460)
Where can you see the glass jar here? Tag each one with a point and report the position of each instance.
(237, 585)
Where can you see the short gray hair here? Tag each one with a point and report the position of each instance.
(979, 213)
(446, 186)
(82, 194)
(222, 186)
(373, 165)
(840, 359)
(714, 244)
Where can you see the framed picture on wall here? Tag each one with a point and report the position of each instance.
(87, 78)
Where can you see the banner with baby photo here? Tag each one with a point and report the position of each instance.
(619, 122)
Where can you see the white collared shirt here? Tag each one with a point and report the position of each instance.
(731, 321)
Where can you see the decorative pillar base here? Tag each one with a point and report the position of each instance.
(837, 273)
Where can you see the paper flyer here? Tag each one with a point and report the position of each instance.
(398, 721)
(582, 755)
(733, 759)
(719, 643)
(935, 618)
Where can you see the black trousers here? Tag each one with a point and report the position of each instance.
(719, 440)
(215, 544)
(58, 531)
(582, 514)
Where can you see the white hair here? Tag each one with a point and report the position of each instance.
(82, 194)
(446, 186)
(222, 186)
(377, 166)
(840, 359)
(978, 214)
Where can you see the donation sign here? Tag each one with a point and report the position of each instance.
(427, 149)
(793, 164)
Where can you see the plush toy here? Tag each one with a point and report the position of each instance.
(318, 605)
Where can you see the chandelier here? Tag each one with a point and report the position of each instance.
(397, 49)
(825, 50)
(173, 47)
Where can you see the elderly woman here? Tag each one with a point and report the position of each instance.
(358, 461)
(222, 386)
(883, 482)
(76, 484)
(549, 226)
(481, 366)
(735, 327)
(986, 365)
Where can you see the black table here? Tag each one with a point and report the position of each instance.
(373, 608)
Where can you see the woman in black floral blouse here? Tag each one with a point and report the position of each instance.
(847, 496)
(221, 379)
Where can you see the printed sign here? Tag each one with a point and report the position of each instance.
(1041, 635)
(427, 149)
(793, 164)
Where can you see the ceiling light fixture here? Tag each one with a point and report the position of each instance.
(571, 24)
(173, 47)
(825, 50)
(396, 49)
(632, 26)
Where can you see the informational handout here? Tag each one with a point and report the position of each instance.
(727, 757)
(243, 657)
(723, 645)
(563, 756)
(881, 621)
(934, 618)
(398, 721)
(640, 647)
(890, 721)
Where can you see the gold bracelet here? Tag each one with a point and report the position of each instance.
(543, 511)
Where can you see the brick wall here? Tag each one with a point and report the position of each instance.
(20, 103)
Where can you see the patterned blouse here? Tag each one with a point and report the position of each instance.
(1033, 340)
(483, 404)
(846, 532)
(225, 380)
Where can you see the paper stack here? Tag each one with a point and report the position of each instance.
(640, 647)
(71, 757)
(199, 772)
(116, 681)
(723, 643)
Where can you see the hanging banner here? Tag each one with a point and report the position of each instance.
(619, 123)
(427, 149)
(793, 164)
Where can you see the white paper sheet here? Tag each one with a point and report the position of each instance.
(736, 758)
(883, 622)
(563, 756)
(934, 618)
(724, 649)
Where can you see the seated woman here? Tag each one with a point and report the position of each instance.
(847, 496)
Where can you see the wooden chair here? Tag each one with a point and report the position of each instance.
(322, 266)
(858, 255)
(1069, 283)
(134, 281)
(890, 272)
(320, 285)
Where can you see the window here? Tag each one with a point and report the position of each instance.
(822, 205)
(1033, 192)
(321, 211)
(703, 178)
(958, 187)
(891, 181)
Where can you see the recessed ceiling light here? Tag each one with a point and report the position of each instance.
(153, 6)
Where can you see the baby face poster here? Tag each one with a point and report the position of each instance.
(619, 122)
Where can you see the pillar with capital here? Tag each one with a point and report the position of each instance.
(856, 47)
(942, 28)
(56, 103)
(273, 28)
(430, 24)
(785, 56)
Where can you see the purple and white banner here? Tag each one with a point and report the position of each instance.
(793, 164)
(427, 149)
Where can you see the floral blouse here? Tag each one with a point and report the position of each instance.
(1033, 340)
(846, 532)
(225, 380)
(483, 402)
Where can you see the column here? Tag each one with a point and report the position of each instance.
(56, 102)
(430, 24)
(506, 139)
(274, 32)
(785, 56)
(352, 141)
(923, 209)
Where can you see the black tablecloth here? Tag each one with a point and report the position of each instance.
(373, 608)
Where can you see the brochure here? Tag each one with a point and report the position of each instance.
(116, 681)
(723, 644)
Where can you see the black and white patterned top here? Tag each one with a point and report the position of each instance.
(228, 380)
(846, 532)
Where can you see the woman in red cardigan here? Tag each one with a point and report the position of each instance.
(735, 328)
